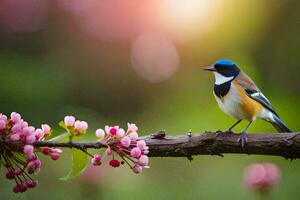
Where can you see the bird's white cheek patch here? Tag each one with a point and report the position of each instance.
(220, 79)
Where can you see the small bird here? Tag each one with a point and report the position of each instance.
(239, 97)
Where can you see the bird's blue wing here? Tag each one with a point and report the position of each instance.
(253, 92)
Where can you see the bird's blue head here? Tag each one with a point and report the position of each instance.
(226, 68)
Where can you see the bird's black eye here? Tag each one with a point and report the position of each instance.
(220, 67)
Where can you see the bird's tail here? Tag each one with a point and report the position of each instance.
(279, 125)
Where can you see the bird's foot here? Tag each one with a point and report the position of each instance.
(219, 132)
(243, 139)
(229, 131)
(225, 134)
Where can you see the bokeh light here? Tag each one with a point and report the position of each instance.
(185, 20)
(154, 57)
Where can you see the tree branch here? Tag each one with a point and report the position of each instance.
(286, 145)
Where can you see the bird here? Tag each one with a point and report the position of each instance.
(239, 97)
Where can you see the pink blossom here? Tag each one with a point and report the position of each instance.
(135, 152)
(141, 144)
(15, 137)
(261, 177)
(107, 128)
(125, 141)
(3, 117)
(15, 117)
(113, 131)
(81, 125)
(133, 136)
(100, 133)
(10, 175)
(45, 150)
(108, 152)
(121, 132)
(28, 131)
(31, 183)
(39, 133)
(2, 124)
(137, 168)
(114, 163)
(18, 171)
(28, 149)
(132, 127)
(30, 139)
(16, 128)
(84, 125)
(54, 155)
(46, 129)
(96, 160)
(145, 152)
(69, 121)
(143, 160)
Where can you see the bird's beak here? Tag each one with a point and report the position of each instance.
(211, 68)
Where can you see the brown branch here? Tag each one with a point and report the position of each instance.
(286, 145)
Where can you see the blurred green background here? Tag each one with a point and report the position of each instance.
(113, 62)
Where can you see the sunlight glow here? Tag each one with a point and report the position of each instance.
(185, 18)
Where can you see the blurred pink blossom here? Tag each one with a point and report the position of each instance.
(261, 177)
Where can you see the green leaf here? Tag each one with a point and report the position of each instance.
(80, 161)
(64, 137)
(62, 124)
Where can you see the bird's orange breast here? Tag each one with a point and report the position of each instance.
(250, 108)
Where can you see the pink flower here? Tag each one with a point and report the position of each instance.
(10, 175)
(39, 133)
(141, 144)
(261, 177)
(120, 132)
(81, 126)
(132, 127)
(69, 121)
(54, 155)
(28, 149)
(31, 183)
(143, 160)
(15, 137)
(45, 150)
(30, 139)
(133, 136)
(84, 125)
(3, 117)
(108, 152)
(96, 160)
(46, 129)
(135, 152)
(100, 133)
(125, 141)
(15, 117)
(113, 131)
(137, 168)
(2, 124)
(16, 128)
(28, 131)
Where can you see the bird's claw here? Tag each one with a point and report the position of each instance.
(218, 132)
(243, 139)
(226, 133)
